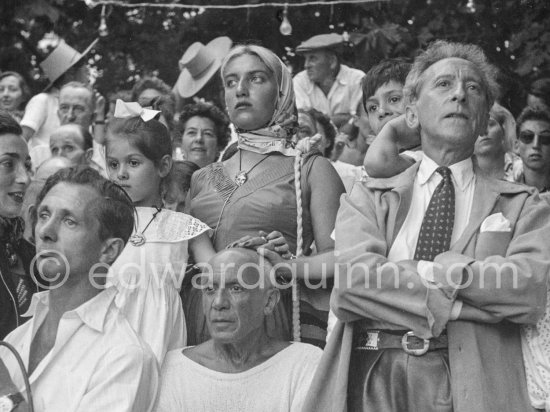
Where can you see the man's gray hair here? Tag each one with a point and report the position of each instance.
(442, 49)
(79, 85)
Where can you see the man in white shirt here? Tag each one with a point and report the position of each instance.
(63, 64)
(439, 265)
(327, 85)
(240, 368)
(79, 105)
(80, 352)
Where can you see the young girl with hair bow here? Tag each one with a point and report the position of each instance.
(149, 272)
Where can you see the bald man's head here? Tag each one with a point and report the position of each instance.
(246, 261)
(238, 294)
(73, 142)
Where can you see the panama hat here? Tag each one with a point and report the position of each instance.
(199, 63)
(61, 59)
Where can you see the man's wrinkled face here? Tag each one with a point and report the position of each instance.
(67, 141)
(237, 296)
(75, 106)
(451, 107)
(319, 65)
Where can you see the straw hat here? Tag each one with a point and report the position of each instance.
(199, 63)
(61, 59)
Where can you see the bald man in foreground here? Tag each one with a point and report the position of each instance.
(240, 368)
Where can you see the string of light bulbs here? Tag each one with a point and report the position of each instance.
(118, 3)
(285, 28)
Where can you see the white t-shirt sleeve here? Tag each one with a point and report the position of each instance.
(36, 112)
(308, 362)
(170, 383)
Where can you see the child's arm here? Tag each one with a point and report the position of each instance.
(383, 158)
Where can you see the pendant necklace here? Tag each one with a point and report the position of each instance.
(138, 239)
(242, 175)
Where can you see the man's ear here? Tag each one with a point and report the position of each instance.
(516, 146)
(111, 249)
(411, 116)
(273, 296)
(165, 165)
(31, 210)
(88, 154)
(333, 61)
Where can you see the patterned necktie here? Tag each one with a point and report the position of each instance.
(437, 225)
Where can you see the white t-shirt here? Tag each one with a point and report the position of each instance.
(280, 384)
(41, 116)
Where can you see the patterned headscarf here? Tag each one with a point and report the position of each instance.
(275, 137)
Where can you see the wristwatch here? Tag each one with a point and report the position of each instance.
(9, 402)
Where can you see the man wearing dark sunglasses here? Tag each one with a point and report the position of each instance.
(533, 144)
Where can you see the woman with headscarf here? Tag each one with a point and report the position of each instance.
(268, 185)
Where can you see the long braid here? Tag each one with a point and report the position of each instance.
(298, 164)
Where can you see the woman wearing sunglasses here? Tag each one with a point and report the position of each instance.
(533, 146)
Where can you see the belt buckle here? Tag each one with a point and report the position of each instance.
(414, 352)
(371, 343)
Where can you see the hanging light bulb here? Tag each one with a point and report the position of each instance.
(103, 30)
(285, 28)
(469, 7)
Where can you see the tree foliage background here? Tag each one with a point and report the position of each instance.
(514, 33)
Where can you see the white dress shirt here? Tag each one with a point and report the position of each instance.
(343, 97)
(425, 182)
(97, 363)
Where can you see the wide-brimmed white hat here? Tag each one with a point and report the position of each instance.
(199, 63)
(61, 59)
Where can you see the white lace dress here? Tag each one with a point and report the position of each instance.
(535, 342)
(148, 278)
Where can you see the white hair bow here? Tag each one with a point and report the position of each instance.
(124, 110)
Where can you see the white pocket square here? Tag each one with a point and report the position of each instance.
(496, 223)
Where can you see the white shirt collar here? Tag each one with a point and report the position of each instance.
(340, 78)
(93, 312)
(462, 172)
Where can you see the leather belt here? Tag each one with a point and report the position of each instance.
(394, 339)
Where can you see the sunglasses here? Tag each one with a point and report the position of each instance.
(528, 136)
